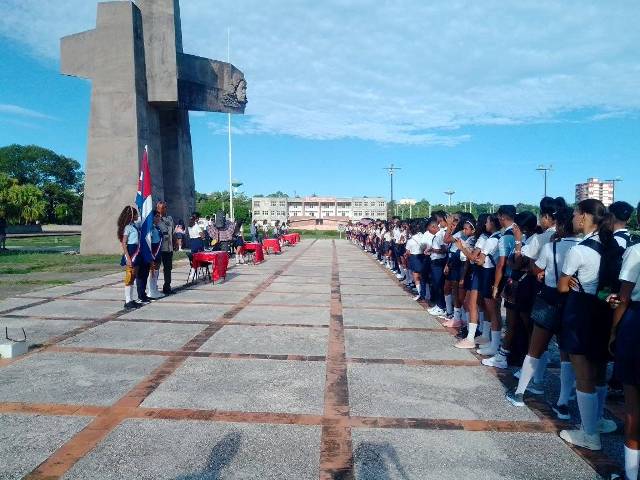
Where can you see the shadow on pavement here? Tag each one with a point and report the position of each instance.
(220, 457)
(372, 461)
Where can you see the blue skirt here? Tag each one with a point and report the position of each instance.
(586, 326)
(627, 351)
(196, 245)
(455, 268)
(416, 262)
(487, 277)
(132, 249)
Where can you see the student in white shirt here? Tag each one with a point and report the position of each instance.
(452, 272)
(624, 343)
(622, 212)
(546, 318)
(437, 252)
(196, 235)
(587, 320)
(415, 250)
(548, 208)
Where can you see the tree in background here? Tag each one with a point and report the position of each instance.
(210, 204)
(51, 185)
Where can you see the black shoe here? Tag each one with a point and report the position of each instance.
(168, 291)
(142, 301)
(131, 305)
(462, 332)
(561, 411)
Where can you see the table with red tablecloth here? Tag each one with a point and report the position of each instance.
(256, 248)
(271, 244)
(291, 238)
(219, 262)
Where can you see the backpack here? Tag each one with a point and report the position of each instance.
(610, 266)
(626, 237)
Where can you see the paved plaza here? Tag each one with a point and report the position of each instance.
(313, 364)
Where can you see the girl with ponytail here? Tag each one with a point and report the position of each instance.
(589, 277)
(129, 238)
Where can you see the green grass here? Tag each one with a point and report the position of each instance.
(53, 282)
(318, 234)
(68, 241)
(21, 263)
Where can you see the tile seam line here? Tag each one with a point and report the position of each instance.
(68, 454)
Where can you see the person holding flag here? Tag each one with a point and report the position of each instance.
(144, 203)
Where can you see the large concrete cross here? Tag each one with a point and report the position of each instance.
(143, 89)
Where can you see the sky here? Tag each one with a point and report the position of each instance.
(461, 95)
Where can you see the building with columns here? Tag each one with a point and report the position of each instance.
(322, 213)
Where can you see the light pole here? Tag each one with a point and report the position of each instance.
(542, 168)
(392, 170)
(450, 193)
(613, 182)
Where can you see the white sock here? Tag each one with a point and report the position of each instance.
(449, 302)
(631, 462)
(529, 367)
(457, 314)
(472, 331)
(542, 368)
(486, 329)
(496, 337)
(127, 293)
(588, 406)
(601, 391)
(567, 379)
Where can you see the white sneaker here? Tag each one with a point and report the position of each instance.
(155, 295)
(497, 361)
(437, 312)
(607, 426)
(486, 351)
(581, 439)
(399, 276)
(417, 297)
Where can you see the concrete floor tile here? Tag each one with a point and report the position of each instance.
(147, 449)
(73, 378)
(379, 301)
(301, 315)
(465, 393)
(268, 340)
(38, 331)
(243, 385)
(394, 454)
(27, 440)
(388, 318)
(409, 345)
(269, 298)
(92, 309)
(185, 312)
(136, 336)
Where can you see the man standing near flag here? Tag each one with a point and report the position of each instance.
(167, 228)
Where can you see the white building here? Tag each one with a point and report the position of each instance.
(315, 211)
(594, 188)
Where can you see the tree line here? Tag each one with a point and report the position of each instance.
(39, 185)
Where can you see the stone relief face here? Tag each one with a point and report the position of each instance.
(241, 91)
(235, 92)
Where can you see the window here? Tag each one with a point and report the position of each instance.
(283, 204)
(264, 212)
(256, 204)
(274, 204)
(256, 212)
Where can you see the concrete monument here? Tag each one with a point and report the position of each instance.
(143, 88)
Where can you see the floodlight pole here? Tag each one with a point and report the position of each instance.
(231, 213)
(391, 169)
(542, 168)
(450, 193)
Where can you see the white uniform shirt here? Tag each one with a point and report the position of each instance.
(621, 241)
(414, 246)
(131, 232)
(584, 261)
(481, 241)
(630, 271)
(454, 248)
(536, 242)
(386, 236)
(437, 242)
(545, 259)
(397, 233)
(490, 247)
(194, 232)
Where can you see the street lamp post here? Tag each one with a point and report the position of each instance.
(542, 168)
(392, 170)
(450, 193)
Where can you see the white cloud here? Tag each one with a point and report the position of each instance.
(402, 71)
(17, 111)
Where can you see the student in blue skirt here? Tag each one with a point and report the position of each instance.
(587, 317)
(625, 344)
(154, 268)
(129, 238)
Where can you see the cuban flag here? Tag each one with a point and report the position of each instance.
(144, 203)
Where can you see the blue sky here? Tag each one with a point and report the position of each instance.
(465, 95)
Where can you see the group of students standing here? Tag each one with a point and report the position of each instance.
(572, 273)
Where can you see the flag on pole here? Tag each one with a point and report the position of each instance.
(144, 203)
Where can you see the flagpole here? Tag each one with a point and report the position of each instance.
(231, 214)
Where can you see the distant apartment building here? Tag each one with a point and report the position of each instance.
(317, 212)
(594, 188)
